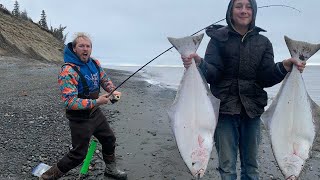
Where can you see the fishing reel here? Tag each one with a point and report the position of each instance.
(114, 98)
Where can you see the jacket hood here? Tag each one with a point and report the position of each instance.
(71, 57)
(254, 13)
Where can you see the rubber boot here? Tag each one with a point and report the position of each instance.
(52, 174)
(111, 168)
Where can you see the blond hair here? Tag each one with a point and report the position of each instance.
(78, 36)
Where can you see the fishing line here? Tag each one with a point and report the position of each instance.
(266, 6)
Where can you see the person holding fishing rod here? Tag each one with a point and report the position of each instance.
(238, 64)
(80, 80)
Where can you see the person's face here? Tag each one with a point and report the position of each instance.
(83, 49)
(241, 13)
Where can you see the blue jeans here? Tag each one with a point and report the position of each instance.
(235, 132)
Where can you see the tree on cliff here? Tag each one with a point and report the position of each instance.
(58, 33)
(24, 15)
(16, 11)
(4, 9)
(43, 20)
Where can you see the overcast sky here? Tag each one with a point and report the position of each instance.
(135, 31)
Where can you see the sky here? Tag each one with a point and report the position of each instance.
(132, 32)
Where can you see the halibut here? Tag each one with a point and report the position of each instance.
(194, 112)
(293, 117)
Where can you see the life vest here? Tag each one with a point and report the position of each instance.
(86, 91)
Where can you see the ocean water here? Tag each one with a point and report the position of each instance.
(163, 76)
(311, 77)
(170, 76)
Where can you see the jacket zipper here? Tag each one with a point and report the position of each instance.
(246, 35)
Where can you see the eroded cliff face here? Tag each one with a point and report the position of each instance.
(23, 38)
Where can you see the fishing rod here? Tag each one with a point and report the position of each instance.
(266, 6)
(156, 58)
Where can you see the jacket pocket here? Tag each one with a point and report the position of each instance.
(222, 89)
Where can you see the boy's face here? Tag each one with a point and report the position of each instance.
(241, 13)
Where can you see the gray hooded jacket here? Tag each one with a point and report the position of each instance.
(239, 67)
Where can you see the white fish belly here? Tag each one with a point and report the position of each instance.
(291, 126)
(193, 122)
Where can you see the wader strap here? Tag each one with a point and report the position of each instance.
(98, 68)
(83, 80)
(86, 90)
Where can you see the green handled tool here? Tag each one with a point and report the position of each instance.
(87, 160)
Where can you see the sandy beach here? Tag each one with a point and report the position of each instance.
(33, 128)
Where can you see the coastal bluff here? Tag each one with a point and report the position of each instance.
(22, 38)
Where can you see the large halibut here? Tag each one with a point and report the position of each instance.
(293, 117)
(194, 112)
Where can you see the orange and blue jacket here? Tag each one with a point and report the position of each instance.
(71, 85)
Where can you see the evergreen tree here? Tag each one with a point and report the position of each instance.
(58, 33)
(16, 11)
(24, 15)
(4, 9)
(43, 20)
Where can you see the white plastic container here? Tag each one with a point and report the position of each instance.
(40, 169)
